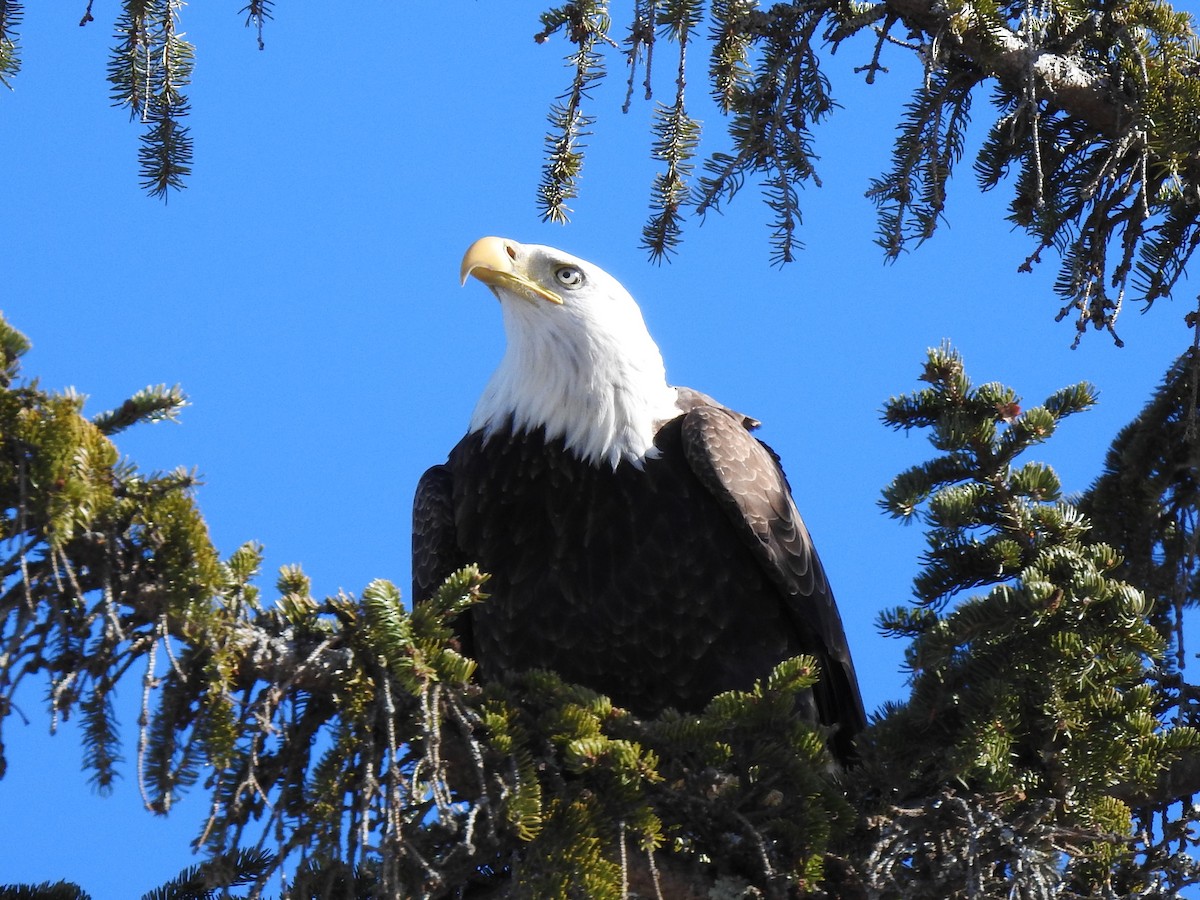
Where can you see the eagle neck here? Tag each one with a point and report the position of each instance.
(604, 394)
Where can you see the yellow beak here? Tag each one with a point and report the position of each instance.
(493, 261)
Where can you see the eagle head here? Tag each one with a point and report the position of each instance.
(578, 363)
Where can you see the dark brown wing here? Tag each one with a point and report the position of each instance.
(435, 553)
(745, 477)
(689, 399)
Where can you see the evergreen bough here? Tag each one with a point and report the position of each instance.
(344, 740)
(1093, 127)
(345, 744)
(1035, 718)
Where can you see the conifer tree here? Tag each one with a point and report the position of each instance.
(1047, 747)
(1147, 498)
(1036, 717)
(1147, 502)
(1093, 110)
(352, 749)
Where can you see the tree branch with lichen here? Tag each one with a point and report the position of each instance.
(346, 741)
(1097, 113)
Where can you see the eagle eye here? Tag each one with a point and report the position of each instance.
(569, 276)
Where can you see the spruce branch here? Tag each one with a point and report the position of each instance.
(345, 740)
(729, 61)
(13, 345)
(966, 845)
(1147, 499)
(639, 43)
(677, 135)
(912, 197)
(152, 404)
(202, 880)
(773, 113)
(258, 13)
(1040, 695)
(148, 69)
(1095, 116)
(59, 890)
(11, 13)
(587, 25)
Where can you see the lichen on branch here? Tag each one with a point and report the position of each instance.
(1094, 131)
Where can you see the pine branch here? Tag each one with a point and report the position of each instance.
(1096, 116)
(774, 111)
(202, 881)
(1091, 114)
(151, 404)
(11, 13)
(729, 62)
(258, 13)
(1041, 693)
(912, 197)
(1147, 499)
(148, 69)
(351, 730)
(60, 890)
(587, 25)
(13, 345)
(640, 41)
(678, 136)
(166, 151)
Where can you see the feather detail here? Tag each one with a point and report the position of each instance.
(586, 371)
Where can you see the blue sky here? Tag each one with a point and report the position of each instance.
(303, 291)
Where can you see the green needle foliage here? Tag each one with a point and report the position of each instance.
(61, 890)
(344, 741)
(10, 55)
(587, 23)
(1147, 500)
(346, 749)
(1092, 125)
(149, 67)
(1094, 113)
(208, 880)
(1038, 695)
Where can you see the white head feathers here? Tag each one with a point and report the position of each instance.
(585, 369)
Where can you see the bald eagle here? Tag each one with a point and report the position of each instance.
(640, 540)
